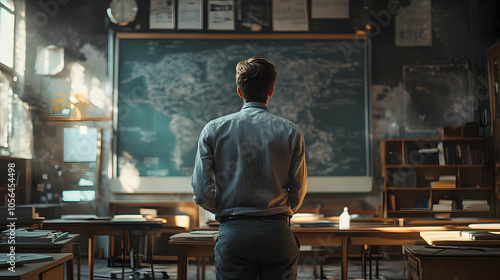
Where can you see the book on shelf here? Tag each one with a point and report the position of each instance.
(441, 157)
(443, 185)
(441, 207)
(447, 178)
(449, 202)
(475, 204)
(427, 156)
(466, 153)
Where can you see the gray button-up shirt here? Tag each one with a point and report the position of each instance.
(250, 163)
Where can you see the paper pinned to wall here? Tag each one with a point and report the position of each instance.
(49, 60)
(290, 15)
(221, 15)
(330, 9)
(190, 14)
(161, 14)
(413, 25)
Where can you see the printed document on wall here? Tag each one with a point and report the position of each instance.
(221, 15)
(161, 14)
(190, 14)
(330, 9)
(413, 25)
(290, 15)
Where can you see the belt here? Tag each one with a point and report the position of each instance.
(278, 217)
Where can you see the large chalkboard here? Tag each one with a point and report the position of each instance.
(170, 86)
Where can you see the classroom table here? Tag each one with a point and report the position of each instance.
(93, 228)
(51, 269)
(358, 234)
(442, 262)
(61, 246)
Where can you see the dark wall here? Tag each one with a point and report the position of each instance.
(462, 30)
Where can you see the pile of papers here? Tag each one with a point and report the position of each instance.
(23, 258)
(129, 218)
(23, 235)
(475, 204)
(479, 235)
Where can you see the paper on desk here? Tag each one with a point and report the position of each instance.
(486, 226)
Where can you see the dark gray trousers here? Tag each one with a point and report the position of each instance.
(256, 249)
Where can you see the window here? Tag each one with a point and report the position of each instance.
(7, 23)
(5, 97)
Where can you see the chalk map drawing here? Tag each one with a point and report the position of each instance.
(169, 89)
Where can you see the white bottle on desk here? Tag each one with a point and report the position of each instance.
(345, 219)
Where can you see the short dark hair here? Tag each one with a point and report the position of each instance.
(255, 77)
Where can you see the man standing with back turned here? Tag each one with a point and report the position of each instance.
(250, 171)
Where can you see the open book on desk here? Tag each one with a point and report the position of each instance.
(197, 235)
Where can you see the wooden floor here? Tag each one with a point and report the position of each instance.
(390, 269)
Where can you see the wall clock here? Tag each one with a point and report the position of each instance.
(122, 12)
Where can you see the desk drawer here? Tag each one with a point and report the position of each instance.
(56, 273)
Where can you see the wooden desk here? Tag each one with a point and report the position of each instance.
(427, 263)
(62, 246)
(93, 228)
(53, 269)
(358, 234)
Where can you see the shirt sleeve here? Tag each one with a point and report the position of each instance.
(202, 180)
(297, 175)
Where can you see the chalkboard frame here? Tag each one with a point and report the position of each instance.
(172, 184)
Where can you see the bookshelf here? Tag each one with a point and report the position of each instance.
(423, 174)
(21, 175)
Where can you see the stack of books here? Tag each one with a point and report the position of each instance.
(445, 182)
(479, 235)
(23, 235)
(444, 205)
(475, 204)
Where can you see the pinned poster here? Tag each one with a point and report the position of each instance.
(221, 15)
(161, 14)
(290, 15)
(190, 14)
(332, 9)
(413, 25)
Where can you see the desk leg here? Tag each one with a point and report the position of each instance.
(344, 256)
(182, 265)
(70, 274)
(91, 256)
(150, 253)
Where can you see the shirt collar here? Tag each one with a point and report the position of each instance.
(255, 105)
